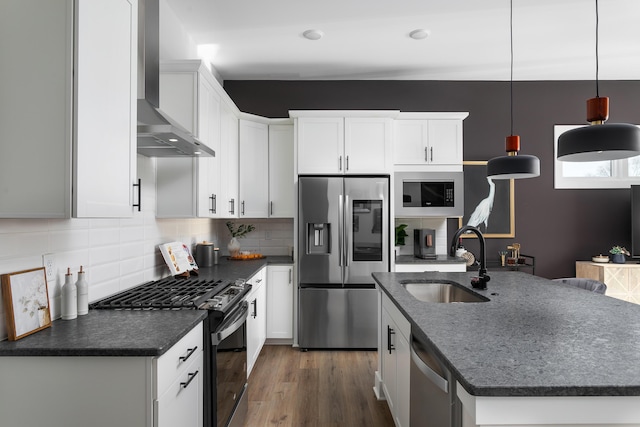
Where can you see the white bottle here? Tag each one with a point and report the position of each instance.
(69, 297)
(83, 293)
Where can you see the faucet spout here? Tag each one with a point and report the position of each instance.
(479, 282)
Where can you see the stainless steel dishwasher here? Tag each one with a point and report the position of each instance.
(433, 390)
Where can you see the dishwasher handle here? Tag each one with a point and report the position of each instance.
(428, 371)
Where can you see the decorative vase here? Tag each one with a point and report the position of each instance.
(233, 247)
(618, 258)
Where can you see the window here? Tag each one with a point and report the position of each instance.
(602, 174)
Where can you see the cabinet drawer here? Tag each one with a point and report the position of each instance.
(398, 318)
(175, 361)
(181, 403)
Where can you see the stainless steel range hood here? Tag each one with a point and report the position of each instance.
(158, 134)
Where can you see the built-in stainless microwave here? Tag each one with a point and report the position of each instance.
(429, 194)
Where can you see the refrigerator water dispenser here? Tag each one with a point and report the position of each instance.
(318, 238)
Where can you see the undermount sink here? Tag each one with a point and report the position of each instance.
(443, 292)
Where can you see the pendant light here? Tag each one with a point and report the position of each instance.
(599, 141)
(513, 166)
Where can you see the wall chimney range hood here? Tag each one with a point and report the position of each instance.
(158, 134)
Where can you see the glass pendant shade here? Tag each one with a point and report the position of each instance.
(513, 166)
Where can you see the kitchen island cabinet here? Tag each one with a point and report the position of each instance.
(538, 353)
(394, 350)
(68, 131)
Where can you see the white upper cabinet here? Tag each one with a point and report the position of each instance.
(435, 141)
(254, 169)
(188, 95)
(68, 130)
(367, 145)
(281, 202)
(229, 166)
(358, 144)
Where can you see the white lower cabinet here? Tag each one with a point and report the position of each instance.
(101, 391)
(257, 320)
(280, 302)
(178, 395)
(395, 357)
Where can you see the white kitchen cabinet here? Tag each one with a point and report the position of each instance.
(105, 391)
(254, 169)
(178, 397)
(344, 145)
(187, 94)
(280, 302)
(257, 320)
(428, 142)
(281, 201)
(395, 357)
(229, 166)
(69, 132)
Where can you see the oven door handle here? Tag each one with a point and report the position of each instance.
(232, 325)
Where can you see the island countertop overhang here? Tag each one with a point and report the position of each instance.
(535, 337)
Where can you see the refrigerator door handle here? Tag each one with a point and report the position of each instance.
(340, 229)
(348, 229)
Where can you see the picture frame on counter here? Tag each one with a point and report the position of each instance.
(26, 300)
(489, 205)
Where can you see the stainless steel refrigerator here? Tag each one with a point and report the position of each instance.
(343, 237)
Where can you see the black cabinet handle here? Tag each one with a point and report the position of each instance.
(232, 205)
(191, 375)
(242, 206)
(190, 351)
(255, 308)
(139, 185)
(390, 332)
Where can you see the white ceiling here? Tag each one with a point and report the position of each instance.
(369, 39)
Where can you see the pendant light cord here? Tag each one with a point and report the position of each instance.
(597, 67)
(511, 78)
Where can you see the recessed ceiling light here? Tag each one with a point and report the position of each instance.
(173, 140)
(419, 34)
(313, 34)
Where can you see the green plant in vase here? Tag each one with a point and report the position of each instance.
(400, 236)
(618, 253)
(236, 233)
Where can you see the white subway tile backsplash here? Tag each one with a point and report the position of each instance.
(69, 240)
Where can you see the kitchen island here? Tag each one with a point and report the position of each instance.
(537, 353)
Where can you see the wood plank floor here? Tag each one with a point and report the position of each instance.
(288, 387)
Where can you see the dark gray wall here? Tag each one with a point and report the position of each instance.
(558, 227)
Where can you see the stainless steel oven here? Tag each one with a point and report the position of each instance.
(229, 345)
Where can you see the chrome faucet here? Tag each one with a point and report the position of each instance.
(479, 282)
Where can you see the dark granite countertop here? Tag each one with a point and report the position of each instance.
(108, 333)
(439, 259)
(535, 337)
(127, 332)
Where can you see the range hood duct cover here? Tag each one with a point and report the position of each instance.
(158, 134)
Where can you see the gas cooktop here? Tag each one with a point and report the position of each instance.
(164, 294)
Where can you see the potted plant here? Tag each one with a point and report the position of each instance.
(400, 235)
(618, 253)
(236, 233)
